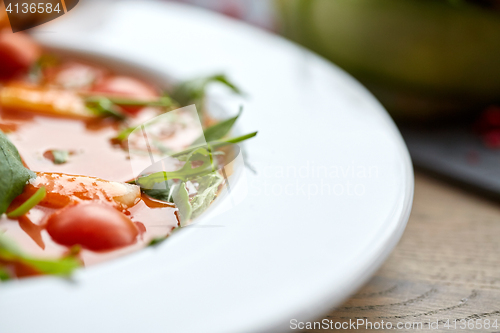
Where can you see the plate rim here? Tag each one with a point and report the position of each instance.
(334, 297)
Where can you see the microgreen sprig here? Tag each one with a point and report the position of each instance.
(10, 252)
(103, 106)
(28, 204)
(110, 106)
(187, 171)
(203, 153)
(218, 143)
(193, 91)
(163, 101)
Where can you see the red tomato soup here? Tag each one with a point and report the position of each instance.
(69, 196)
(103, 231)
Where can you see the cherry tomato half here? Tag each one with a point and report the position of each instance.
(17, 53)
(94, 226)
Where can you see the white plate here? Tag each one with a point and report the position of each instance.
(276, 256)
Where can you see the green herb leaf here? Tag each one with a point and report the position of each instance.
(162, 194)
(187, 171)
(218, 144)
(221, 78)
(103, 106)
(193, 91)
(200, 154)
(163, 101)
(28, 204)
(123, 134)
(219, 130)
(159, 240)
(181, 199)
(207, 190)
(4, 275)
(14, 174)
(60, 156)
(156, 184)
(9, 252)
(156, 241)
(64, 266)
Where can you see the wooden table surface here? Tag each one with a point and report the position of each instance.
(446, 266)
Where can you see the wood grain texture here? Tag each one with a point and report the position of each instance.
(446, 266)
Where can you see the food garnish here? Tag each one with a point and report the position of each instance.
(69, 213)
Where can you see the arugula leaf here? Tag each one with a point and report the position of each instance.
(193, 91)
(163, 101)
(104, 107)
(156, 241)
(221, 78)
(4, 275)
(9, 252)
(219, 130)
(163, 193)
(200, 154)
(208, 186)
(28, 204)
(123, 134)
(58, 156)
(207, 190)
(181, 199)
(177, 193)
(187, 171)
(14, 174)
(156, 184)
(212, 145)
(64, 266)
(110, 106)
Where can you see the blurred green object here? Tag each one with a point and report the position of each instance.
(421, 58)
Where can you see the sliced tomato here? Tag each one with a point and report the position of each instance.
(17, 53)
(125, 86)
(94, 226)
